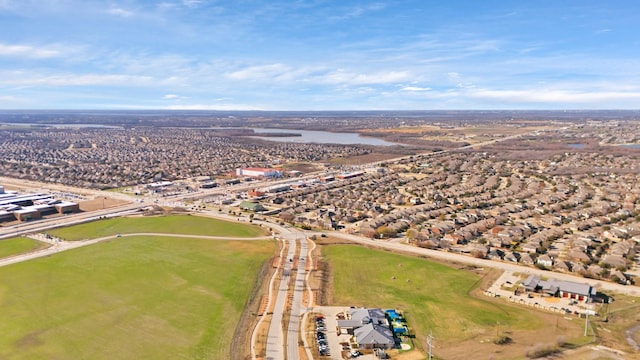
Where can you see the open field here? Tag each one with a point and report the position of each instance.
(177, 224)
(19, 245)
(436, 297)
(621, 316)
(130, 298)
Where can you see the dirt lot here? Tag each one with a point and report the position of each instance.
(99, 203)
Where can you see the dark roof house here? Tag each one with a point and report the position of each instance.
(372, 336)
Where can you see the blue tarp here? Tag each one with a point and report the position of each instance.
(393, 314)
(401, 330)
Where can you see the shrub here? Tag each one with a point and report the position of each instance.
(542, 350)
(502, 340)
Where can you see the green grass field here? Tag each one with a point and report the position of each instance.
(434, 297)
(129, 298)
(19, 245)
(176, 224)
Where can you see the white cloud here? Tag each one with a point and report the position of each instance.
(214, 107)
(80, 80)
(415, 88)
(28, 51)
(554, 96)
(120, 12)
(358, 11)
(350, 78)
(8, 98)
(191, 3)
(260, 72)
(175, 97)
(283, 75)
(453, 76)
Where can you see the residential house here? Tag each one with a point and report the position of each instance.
(373, 336)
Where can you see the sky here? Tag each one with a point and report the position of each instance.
(319, 54)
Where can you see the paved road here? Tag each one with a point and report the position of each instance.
(297, 310)
(275, 336)
(463, 259)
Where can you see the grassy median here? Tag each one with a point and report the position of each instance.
(130, 298)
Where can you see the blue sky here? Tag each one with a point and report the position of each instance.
(319, 54)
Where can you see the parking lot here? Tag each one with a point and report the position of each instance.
(335, 342)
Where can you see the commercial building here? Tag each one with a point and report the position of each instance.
(25, 207)
(66, 207)
(559, 288)
(350, 175)
(26, 214)
(278, 188)
(208, 185)
(259, 172)
(156, 186)
(252, 206)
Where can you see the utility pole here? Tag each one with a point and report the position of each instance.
(430, 344)
(586, 322)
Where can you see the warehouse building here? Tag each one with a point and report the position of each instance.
(259, 172)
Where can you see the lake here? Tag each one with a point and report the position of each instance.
(319, 137)
(60, 126)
